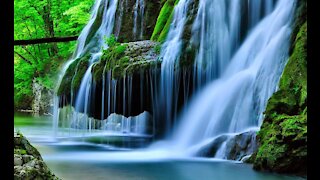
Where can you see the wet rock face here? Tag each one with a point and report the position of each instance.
(236, 147)
(142, 50)
(28, 163)
(241, 145)
(37, 97)
(135, 19)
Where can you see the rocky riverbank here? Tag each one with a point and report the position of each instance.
(28, 163)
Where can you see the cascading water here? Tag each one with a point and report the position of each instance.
(170, 53)
(92, 41)
(237, 65)
(138, 19)
(235, 101)
(217, 29)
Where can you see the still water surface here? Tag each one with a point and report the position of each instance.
(79, 156)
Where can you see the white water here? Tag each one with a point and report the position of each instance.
(103, 10)
(237, 77)
(170, 53)
(218, 24)
(235, 101)
(138, 16)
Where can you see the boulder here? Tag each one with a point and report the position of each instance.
(28, 164)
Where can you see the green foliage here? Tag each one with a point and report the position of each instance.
(78, 15)
(40, 19)
(111, 41)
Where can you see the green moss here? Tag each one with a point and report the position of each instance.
(65, 85)
(188, 48)
(20, 151)
(163, 35)
(295, 72)
(283, 134)
(141, 66)
(97, 70)
(111, 41)
(121, 63)
(118, 70)
(114, 52)
(283, 143)
(81, 69)
(295, 127)
(73, 75)
(113, 59)
(164, 20)
(157, 48)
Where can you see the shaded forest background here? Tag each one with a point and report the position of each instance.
(37, 19)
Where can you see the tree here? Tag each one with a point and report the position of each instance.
(38, 19)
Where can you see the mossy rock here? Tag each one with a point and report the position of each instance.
(164, 20)
(141, 66)
(81, 69)
(295, 73)
(283, 135)
(97, 70)
(31, 165)
(20, 151)
(283, 145)
(73, 75)
(125, 59)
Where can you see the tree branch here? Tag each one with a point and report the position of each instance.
(25, 59)
(44, 40)
(34, 58)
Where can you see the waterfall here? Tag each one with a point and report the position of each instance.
(170, 53)
(217, 28)
(138, 15)
(90, 41)
(241, 48)
(92, 38)
(234, 102)
(217, 32)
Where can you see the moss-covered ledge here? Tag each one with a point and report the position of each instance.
(28, 163)
(283, 136)
(127, 58)
(73, 75)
